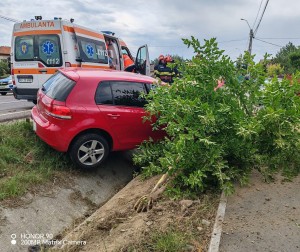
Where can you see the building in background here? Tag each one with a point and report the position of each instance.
(4, 53)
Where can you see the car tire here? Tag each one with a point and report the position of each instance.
(88, 151)
(3, 93)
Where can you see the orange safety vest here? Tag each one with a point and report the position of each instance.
(127, 61)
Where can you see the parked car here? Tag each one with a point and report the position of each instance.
(89, 113)
(6, 85)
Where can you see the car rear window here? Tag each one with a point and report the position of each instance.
(58, 87)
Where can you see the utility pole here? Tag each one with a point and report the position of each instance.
(253, 33)
(251, 36)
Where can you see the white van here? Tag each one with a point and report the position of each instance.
(40, 47)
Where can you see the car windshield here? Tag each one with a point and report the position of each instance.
(58, 87)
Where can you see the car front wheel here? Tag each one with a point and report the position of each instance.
(89, 151)
(3, 93)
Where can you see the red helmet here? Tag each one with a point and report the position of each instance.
(168, 58)
(161, 57)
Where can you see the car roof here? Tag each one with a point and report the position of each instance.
(104, 74)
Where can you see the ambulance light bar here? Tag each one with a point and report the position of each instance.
(108, 33)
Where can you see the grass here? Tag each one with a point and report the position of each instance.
(183, 234)
(171, 241)
(26, 161)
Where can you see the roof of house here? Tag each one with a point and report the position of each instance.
(5, 50)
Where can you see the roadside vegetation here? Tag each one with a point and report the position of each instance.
(190, 229)
(218, 134)
(288, 58)
(25, 161)
(4, 69)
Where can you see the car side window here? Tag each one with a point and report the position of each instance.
(104, 94)
(128, 93)
(121, 93)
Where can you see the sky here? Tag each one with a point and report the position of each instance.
(161, 24)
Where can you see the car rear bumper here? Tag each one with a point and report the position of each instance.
(50, 133)
(4, 89)
(29, 94)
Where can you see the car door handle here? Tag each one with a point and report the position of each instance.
(115, 116)
(43, 71)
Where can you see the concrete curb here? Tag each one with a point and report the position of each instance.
(15, 115)
(217, 229)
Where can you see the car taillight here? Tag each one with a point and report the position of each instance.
(58, 111)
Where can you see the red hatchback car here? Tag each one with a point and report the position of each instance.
(89, 113)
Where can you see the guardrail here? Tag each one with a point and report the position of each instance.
(15, 115)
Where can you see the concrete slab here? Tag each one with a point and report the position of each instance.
(49, 214)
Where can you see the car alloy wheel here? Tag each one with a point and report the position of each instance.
(89, 151)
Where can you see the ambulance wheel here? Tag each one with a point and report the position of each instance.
(3, 93)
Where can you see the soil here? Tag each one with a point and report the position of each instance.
(117, 227)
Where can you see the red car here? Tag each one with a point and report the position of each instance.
(89, 113)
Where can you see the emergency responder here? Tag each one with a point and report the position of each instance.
(175, 72)
(110, 56)
(163, 71)
(129, 65)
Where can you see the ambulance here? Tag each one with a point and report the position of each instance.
(41, 47)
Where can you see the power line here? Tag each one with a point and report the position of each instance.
(267, 42)
(9, 19)
(257, 13)
(279, 38)
(232, 40)
(255, 31)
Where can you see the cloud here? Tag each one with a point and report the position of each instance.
(162, 24)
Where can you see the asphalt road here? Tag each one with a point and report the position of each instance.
(11, 108)
(263, 217)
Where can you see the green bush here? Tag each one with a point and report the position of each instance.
(274, 70)
(4, 69)
(216, 137)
